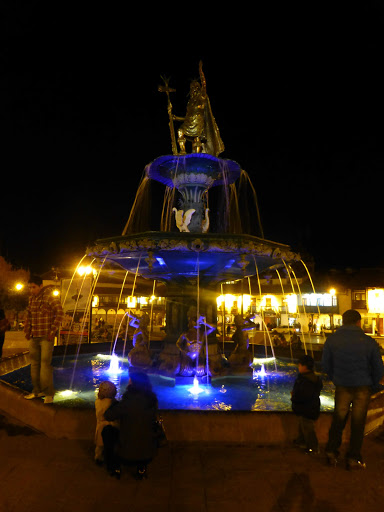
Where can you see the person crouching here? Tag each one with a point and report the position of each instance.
(105, 398)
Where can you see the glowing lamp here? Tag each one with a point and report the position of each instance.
(85, 270)
(292, 303)
(131, 302)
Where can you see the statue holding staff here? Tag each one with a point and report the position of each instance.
(198, 125)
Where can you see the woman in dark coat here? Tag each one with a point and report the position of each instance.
(135, 441)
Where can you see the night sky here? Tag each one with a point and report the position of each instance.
(297, 95)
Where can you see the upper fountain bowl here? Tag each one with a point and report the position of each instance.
(194, 168)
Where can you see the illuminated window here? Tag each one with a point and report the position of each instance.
(359, 295)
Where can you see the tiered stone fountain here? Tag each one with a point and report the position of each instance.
(193, 261)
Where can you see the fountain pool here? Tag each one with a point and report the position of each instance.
(77, 382)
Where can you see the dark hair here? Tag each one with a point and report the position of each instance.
(140, 381)
(351, 317)
(35, 280)
(307, 361)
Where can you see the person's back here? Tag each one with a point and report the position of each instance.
(353, 362)
(137, 412)
(306, 395)
(351, 358)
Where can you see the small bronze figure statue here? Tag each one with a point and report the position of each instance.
(190, 344)
(140, 355)
(241, 357)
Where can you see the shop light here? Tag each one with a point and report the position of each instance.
(131, 302)
(376, 300)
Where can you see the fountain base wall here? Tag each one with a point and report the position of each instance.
(265, 428)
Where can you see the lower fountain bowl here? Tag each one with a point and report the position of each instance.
(191, 425)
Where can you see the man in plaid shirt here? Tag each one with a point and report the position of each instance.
(44, 316)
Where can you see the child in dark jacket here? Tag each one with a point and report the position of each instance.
(305, 398)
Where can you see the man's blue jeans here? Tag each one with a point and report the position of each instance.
(359, 397)
(40, 353)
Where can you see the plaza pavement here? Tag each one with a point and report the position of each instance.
(39, 474)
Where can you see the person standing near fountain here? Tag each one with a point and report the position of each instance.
(4, 326)
(353, 362)
(305, 398)
(43, 319)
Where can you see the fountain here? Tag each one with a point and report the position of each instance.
(193, 261)
(192, 257)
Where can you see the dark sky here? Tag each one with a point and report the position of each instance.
(297, 95)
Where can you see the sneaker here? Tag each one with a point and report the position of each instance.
(355, 464)
(30, 396)
(48, 400)
(331, 459)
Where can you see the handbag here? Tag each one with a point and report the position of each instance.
(160, 435)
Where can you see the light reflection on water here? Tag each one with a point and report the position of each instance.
(249, 393)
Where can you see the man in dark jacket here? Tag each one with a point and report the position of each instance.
(305, 398)
(354, 364)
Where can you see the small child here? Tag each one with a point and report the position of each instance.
(106, 396)
(305, 398)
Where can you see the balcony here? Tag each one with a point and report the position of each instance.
(324, 310)
(359, 304)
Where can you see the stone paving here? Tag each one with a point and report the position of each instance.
(39, 474)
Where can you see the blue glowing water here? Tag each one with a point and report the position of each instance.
(243, 393)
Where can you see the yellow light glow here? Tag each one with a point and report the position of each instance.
(246, 301)
(95, 301)
(376, 300)
(19, 286)
(56, 292)
(66, 393)
(85, 271)
(131, 302)
(292, 303)
(270, 302)
(228, 300)
(332, 291)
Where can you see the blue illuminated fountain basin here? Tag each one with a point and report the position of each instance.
(76, 384)
(236, 409)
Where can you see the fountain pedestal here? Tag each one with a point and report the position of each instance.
(180, 301)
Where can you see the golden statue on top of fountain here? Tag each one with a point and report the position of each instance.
(198, 125)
